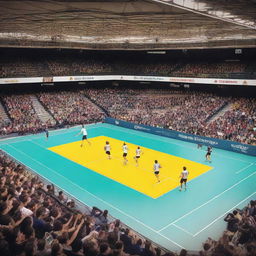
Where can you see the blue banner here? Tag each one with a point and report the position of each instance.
(217, 143)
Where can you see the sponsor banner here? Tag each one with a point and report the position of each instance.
(84, 78)
(186, 80)
(25, 80)
(217, 143)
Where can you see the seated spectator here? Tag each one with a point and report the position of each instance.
(61, 197)
(104, 250)
(41, 248)
(148, 250)
(137, 248)
(127, 241)
(232, 223)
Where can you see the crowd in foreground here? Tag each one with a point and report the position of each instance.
(239, 239)
(189, 112)
(36, 219)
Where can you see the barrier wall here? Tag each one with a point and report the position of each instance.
(217, 143)
(186, 80)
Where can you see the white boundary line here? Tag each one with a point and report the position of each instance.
(117, 209)
(222, 215)
(195, 209)
(37, 135)
(246, 167)
(182, 229)
(41, 134)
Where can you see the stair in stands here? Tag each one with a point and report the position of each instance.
(97, 105)
(4, 117)
(43, 115)
(220, 112)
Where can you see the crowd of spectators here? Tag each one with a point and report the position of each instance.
(23, 116)
(70, 108)
(189, 112)
(146, 67)
(4, 122)
(37, 220)
(206, 69)
(19, 68)
(239, 239)
(77, 65)
(186, 112)
(238, 123)
(150, 107)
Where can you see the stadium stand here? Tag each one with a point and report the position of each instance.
(71, 108)
(24, 118)
(187, 112)
(67, 65)
(23, 115)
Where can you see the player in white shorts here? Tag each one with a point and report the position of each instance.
(156, 169)
(184, 176)
(107, 149)
(125, 152)
(84, 133)
(138, 152)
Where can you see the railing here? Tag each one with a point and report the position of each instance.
(240, 75)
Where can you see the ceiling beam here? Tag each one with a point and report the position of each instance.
(236, 20)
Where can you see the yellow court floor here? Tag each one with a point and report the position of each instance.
(141, 177)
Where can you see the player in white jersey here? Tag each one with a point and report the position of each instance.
(184, 176)
(125, 152)
(156, 169)
(138, 152)
(84, 133)
(107, 149)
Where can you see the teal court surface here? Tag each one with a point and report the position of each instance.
(174, 219)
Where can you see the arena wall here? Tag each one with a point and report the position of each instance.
(216, 143)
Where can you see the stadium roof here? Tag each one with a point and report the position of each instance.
(128, 24)
(239, 12)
